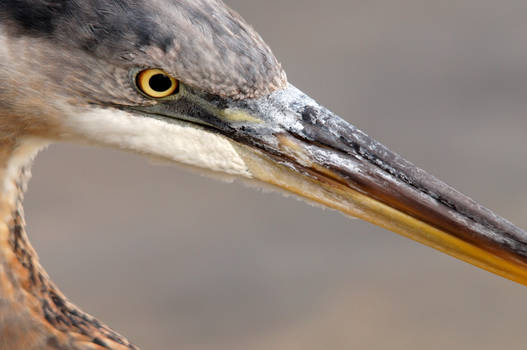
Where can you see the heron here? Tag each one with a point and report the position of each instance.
(190, 82)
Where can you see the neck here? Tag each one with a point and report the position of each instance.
(34, 314)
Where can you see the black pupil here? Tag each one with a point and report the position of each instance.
(160, 83)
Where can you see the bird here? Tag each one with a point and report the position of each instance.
(190, 82)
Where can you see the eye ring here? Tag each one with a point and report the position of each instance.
(156, 83)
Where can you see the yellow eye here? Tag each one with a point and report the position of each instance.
(156, 83)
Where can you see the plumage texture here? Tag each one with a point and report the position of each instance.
(34, 314)
(201, 42)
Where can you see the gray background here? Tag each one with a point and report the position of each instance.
(176, 260)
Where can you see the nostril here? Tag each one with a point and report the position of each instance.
(309, 114)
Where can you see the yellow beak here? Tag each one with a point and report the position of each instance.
(318, 156)
(289, 141)
(325, 188)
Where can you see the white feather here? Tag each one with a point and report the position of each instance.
(22, 155)
(178, 141)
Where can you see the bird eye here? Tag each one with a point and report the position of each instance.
(156, 83)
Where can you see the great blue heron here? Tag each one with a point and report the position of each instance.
(191, 82)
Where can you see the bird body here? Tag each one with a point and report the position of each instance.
(216, 100)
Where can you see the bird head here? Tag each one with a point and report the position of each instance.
(190, 82)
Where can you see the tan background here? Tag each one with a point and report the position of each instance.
(175, 260)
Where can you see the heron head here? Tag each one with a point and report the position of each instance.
(191, 82)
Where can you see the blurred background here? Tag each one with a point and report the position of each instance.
(176, 260)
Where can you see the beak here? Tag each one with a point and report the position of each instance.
(291, 142)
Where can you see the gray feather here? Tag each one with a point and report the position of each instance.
(201, 42)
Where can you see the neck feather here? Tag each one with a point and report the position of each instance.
(34, 314)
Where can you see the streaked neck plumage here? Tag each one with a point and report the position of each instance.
(34, 314)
